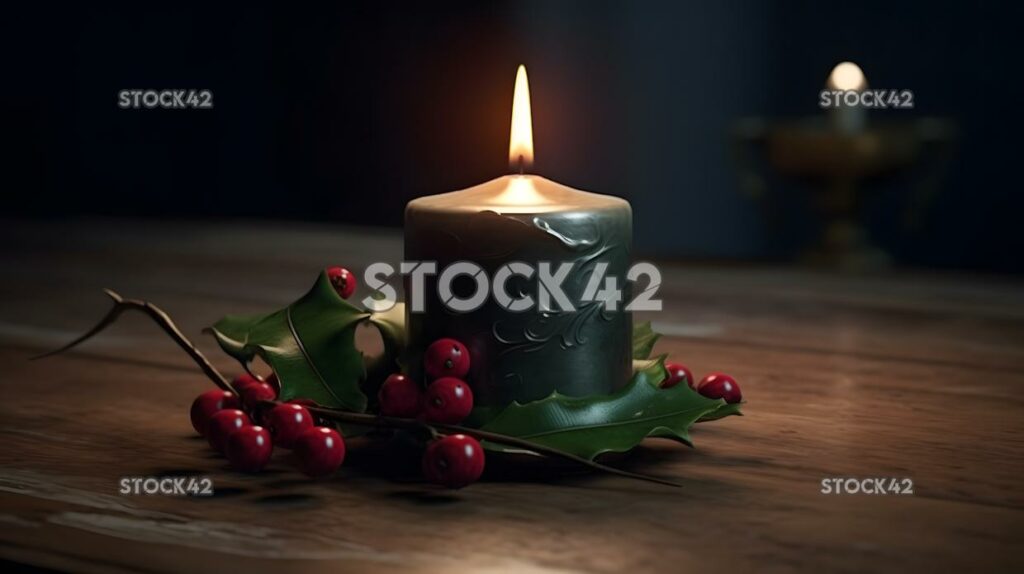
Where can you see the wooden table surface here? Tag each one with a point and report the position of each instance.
(911, 375)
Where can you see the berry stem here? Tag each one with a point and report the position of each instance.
(162, 319)
(414, 424)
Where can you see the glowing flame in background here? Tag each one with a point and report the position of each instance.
(847, 76)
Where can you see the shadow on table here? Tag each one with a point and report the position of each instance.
(396, 463)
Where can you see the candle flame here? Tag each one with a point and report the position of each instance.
(847, 76)
(520, 142)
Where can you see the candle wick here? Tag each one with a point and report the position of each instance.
(522, 164)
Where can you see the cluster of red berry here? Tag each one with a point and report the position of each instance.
(227, 421)
(713, 386)
(455, 460)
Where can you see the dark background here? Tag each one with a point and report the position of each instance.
(343, 113)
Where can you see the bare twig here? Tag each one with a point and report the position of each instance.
(160, 318)
(164, 321)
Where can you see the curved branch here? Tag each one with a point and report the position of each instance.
(163, 320)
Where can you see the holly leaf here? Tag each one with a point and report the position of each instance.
(590, 426)
(723, 411)
(644, 339)
(309, 344)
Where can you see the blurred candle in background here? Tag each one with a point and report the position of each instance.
(846, 118)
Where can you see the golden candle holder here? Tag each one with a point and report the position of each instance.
(839, 167)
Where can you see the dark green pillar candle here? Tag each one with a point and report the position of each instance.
(524, 356)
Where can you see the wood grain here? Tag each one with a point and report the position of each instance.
(907, 375)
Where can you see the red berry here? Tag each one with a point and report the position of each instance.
(454, 461)
(209, 403)
(244, 381)
(446, 358)
(343, 280)
(317, 421)
(286, 422)
(720, 386)
(256, 393)
(677, 373)
(320, 451)
(221, 424)
(249, 448)
(448, 400)
(400, 396)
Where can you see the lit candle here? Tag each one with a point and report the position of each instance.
(522, 218)
(847, 116)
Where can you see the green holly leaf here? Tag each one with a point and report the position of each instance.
(723, 411)
(589, 426)
(644, 339)
(309, 344)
